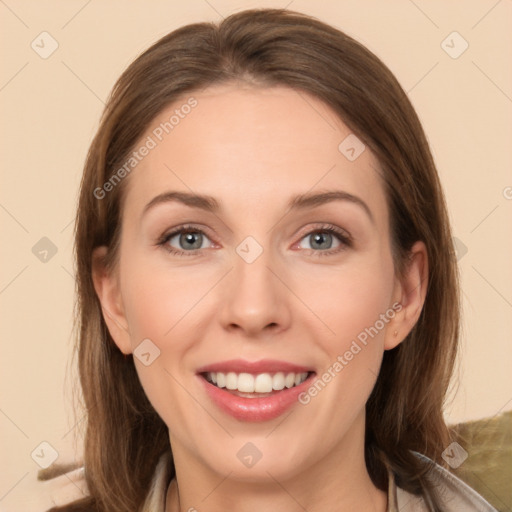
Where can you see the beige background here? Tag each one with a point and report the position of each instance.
(50, 110)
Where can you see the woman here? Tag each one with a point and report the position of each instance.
(267, 288)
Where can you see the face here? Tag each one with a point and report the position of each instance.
(262, 291)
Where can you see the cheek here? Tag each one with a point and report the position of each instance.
(350, 300)
(355, 311)
(163, 305)
(157, 303)
(158, 300)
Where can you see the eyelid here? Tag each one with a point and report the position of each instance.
(328, 227)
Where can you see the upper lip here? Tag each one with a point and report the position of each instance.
(254, 367)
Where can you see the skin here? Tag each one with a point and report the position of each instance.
(253, 149)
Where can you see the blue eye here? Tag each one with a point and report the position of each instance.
(190, 240)
(321, 240)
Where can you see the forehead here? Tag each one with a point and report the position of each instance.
(252, 147)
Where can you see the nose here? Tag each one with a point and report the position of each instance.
(254, 300)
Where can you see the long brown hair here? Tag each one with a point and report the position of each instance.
(124, 436)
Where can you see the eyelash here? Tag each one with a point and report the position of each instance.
(341, 235)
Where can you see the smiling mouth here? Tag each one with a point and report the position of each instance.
(258, 385)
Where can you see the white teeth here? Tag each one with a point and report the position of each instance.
(278, 381)
(289, 381)
(221, 380)
(246, 383)
(260, 383)
(231, 380)
(263, 383)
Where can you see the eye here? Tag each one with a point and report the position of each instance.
(188, 239)
(321, 240)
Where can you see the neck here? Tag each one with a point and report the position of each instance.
(338, 482)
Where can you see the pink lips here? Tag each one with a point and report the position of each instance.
(261, 366)
(254, 409)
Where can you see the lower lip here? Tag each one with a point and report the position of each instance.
(255, 409)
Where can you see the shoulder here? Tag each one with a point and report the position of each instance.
(155, 500)
(55, 486)
(453, 492)
(62, 484)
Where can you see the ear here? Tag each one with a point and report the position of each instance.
(106, 285)
(409, 293)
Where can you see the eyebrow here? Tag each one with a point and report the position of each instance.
(299, 202)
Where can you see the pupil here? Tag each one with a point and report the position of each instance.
(321, 237)
(189, 238)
